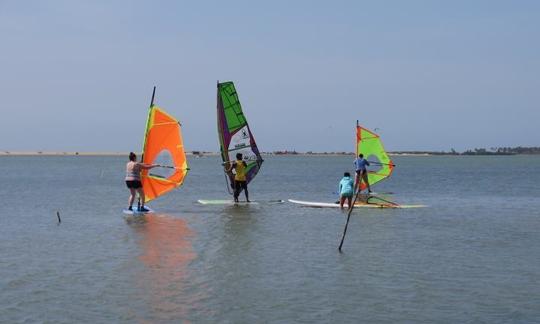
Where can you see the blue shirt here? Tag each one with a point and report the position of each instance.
(346, 186)
(360, 164)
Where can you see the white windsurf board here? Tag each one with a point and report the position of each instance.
(241, 202)
(357, 205)
(136, 212)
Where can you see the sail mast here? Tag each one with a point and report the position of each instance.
(148, 122)
(221, 120)
(356, 140)
(154, 94)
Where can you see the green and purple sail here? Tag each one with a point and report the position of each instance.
(234, 133)
(369, 144)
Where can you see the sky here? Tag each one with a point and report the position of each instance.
(428, 75)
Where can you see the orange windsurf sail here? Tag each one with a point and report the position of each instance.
(163, 145)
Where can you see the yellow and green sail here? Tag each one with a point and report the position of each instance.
(369, 144)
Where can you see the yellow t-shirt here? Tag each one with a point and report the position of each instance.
(240, 167)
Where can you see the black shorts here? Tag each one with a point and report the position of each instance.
(240, 185)
(360, 172)
(133, 184)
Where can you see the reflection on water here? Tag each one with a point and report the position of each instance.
(166, 252)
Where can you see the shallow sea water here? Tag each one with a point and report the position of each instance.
(472, 256)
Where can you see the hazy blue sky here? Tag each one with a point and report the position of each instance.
(78, 75)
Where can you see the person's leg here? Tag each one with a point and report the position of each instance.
(365, 177)
(141, 197)
(341, 201)
(356, 180)
(349, 201)
(132, 192)
(236, 190)
(244, 185)
(231, 182)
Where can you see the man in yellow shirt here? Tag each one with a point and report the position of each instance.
(240, 182)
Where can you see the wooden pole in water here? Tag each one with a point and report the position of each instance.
(355, 197)
(348, 217)
(58, 215)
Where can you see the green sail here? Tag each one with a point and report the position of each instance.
(369, 144)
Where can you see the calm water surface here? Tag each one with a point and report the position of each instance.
(472, 256)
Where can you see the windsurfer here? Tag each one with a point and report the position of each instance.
(133, 180)
(240, 181)
(361, 173)
(346, 190)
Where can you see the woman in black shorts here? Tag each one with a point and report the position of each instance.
(133, 180)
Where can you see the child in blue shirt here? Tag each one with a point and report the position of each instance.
(346, 186)
(361, 172)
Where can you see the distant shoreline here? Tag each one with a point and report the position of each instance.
(54, 153)
(202, 154)
(58, 153)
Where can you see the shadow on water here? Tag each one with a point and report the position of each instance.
(166, 252)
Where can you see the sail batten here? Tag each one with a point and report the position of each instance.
(234, 133)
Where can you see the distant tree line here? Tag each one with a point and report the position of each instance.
(480, 151)
(519, 150)
(503, 151)
(475, 151)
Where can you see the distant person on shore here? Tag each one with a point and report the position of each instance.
(360, 165)
(133, 180)
(346, 190)
(240, 181)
